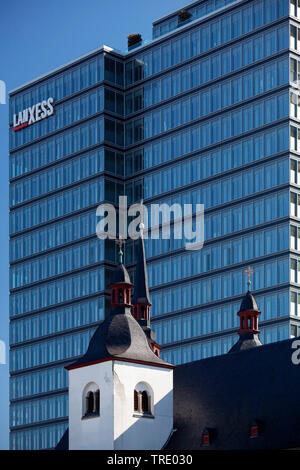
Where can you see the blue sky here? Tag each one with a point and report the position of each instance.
(35, 37)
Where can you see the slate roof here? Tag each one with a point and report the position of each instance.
(246, 341)
(120, 337)
(227, 393)
(120, 275)
(249, 303)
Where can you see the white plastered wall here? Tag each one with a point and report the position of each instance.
(95, 433)
(131, 432)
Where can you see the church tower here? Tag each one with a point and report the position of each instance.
(120, 391)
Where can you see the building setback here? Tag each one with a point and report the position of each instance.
(204, 113)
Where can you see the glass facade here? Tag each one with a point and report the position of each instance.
(206, 113)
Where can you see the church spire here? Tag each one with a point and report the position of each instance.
(141, 300)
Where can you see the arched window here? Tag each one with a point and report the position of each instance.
(91, 401)
(97, 402)
(143, 399)
(145, 402)
(136, 401)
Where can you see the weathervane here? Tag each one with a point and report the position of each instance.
(120, 242)
(249, 272)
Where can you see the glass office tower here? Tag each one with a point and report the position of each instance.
(207, 112)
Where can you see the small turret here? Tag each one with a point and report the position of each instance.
(121, 285)
(248, 314)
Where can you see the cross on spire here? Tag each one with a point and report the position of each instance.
(249, 272)
(120, 242)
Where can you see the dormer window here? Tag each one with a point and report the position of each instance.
(91, 401)
(143, 400)
(205, 440)
(254, 430)
(156, 349)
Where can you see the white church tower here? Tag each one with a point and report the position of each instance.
(120, 391)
